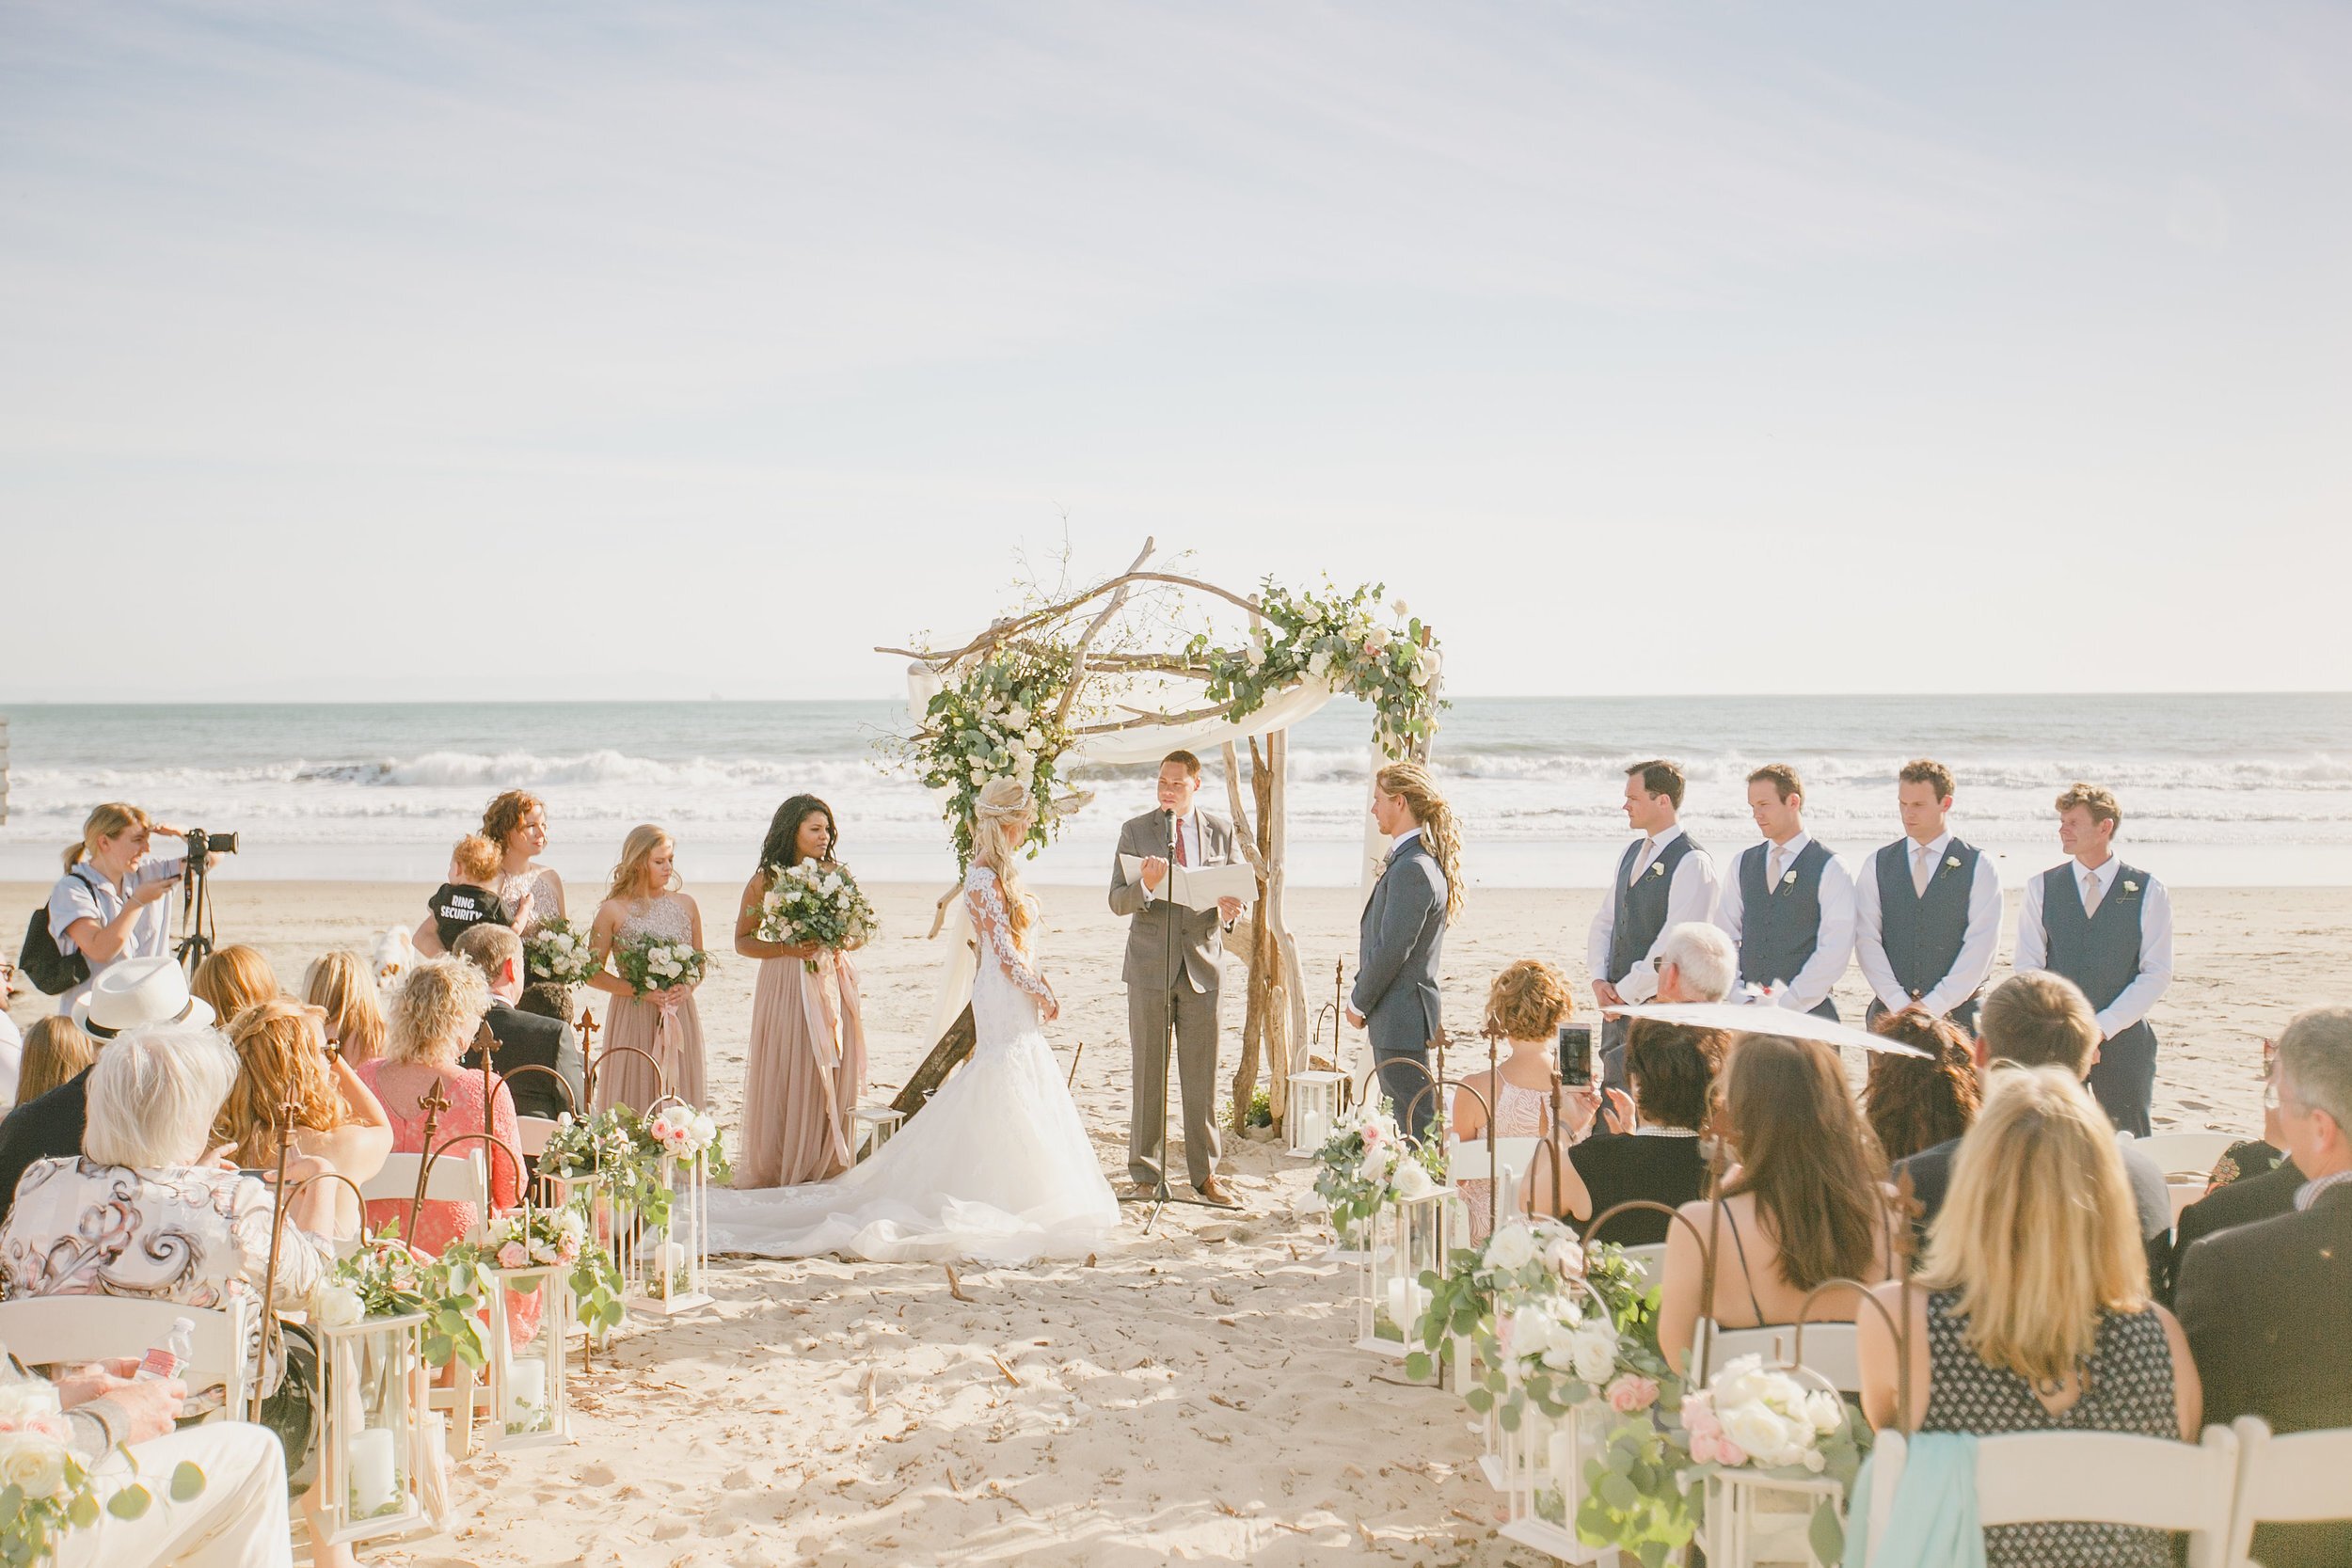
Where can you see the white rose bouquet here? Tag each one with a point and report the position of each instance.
(1767, 1419)
(682, 1132)
(1367, 1160)
(558, 951)
(816, 902)
(650, 963)
(385, 1279)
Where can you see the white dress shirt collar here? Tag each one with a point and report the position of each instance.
(1934, 846)
(1790, 850)
(1673, 831)
(2104, 875)
(1403, 839)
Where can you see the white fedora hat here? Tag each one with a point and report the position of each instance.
(136, 991)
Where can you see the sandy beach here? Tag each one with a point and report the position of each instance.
(1186, 1396)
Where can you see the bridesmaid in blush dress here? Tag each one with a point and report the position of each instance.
(645, 900)
(806, 1065)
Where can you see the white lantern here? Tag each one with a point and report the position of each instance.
(673, 1259)
(1753, 1519)
(1406, 1237)
(1542, 1464)
(1313, 1111)
(530, 1395)
(372, 1456)
(871, 1126)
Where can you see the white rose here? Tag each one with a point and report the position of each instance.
(1319, 664)
(1742, 1381)
(1377, 639)
(1816, 1461)
(1562, 1257)
(1255, 653)
(32, 1397)
(1374, 1166)
(32, 1463)
(1034, 738)
(336, 1306)
(1412, 1180)
(1016, 716)
(832, 882)
(1512, 1247)
(1825, 1410)
(1531, 1331)
(1596, 1353)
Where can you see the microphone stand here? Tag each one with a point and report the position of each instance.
(1160, 1198)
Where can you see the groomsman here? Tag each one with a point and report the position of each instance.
(2107, 926)
(1788, 903)
(1927, 908)
(1663, 879)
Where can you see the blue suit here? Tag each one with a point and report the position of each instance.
(1401, 935)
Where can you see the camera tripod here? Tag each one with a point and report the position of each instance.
(195, 905)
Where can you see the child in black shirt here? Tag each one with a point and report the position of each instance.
(469, 897)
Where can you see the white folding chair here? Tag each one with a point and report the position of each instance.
(2106, 1478)
(461, 1176)
(2186, 1154)
(43, 1329)
(532, 1132)
(1829, 1348)
(1466, 1160)
(2298, 1478)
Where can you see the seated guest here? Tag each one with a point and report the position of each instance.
(344, 984)
(56, 1049)
(434, 1015)
(1917, 1102)
(2259, 1189)
(125, 996)
(469, 899)
(546, 999)
(2038, 1019)
(283, 1060)
(2033, 1314)
(1807, 1204)
(232, 980)
(524, 1039)
(144, 1213)
(238, 1520)
(1696, 962)
(1524, 1006)
(1650, 1147)
(2268, 1305)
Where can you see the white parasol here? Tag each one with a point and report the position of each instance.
(1756, 1019)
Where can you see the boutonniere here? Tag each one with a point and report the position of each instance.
(1951, 863)
(1789, 879)
(2130, 886)
(1659, 870)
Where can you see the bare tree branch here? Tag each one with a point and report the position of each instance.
(1086, 637)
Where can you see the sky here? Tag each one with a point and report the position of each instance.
(606, 350)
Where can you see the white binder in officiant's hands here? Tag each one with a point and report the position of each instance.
(1197, 887)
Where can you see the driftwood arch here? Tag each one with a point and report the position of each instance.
(1080, 636)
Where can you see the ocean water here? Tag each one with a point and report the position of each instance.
(2217, 789)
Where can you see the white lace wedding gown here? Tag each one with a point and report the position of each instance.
(996, 1167)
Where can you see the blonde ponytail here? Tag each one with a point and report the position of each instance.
(1438, 828)
(1002, 801)
(103, 822)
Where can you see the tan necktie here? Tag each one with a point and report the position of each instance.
(1640, 862)
(2090, 893)
(1771, 872)
(1922, 867)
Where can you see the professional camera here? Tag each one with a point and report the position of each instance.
(202, 844)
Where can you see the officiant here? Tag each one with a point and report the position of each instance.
(1171, 972)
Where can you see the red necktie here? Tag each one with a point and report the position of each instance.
(1180, 845)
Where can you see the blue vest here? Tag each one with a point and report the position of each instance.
(1779, 927)
(1923, 933)
(2098, 952)
(1641, 909)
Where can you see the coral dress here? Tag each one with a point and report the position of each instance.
(675, 1041)
(1521, 1114)
(439, 1223)
(803, 1071)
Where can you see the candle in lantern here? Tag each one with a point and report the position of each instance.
(526, 1391)
(1314, 1128)
(1563, 1458)
(1406, 1302)
(373, 1478)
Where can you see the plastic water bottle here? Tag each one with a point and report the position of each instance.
(171, 1357)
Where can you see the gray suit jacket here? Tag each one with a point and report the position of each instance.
(1200, 938)
(1401, 933)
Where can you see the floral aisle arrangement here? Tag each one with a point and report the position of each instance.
(559, 951)
(1344, 639)
(1518, 1263)
(45, 1486)
(540, 1237)
(650, 963)
(386, 1278)
(1766, 1421)
(627, 1152)
(815, 902)
(1368, 1163)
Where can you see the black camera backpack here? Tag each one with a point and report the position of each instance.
(53, 972)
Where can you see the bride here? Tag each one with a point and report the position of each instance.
(996, 1167)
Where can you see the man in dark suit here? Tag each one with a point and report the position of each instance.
(1171, 968)
(1401, 938)
(2268, 1307)
(126, 994)
(524, 1039)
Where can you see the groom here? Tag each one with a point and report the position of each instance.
(1171, 976)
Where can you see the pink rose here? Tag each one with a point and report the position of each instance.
(1727, 1452)
(1631, 1392)
(568, 1249)
(1703, 1447)
(1698, 1416)
(514, 1255)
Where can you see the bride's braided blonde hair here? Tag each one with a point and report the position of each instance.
(1439, 829)
(1002, 801)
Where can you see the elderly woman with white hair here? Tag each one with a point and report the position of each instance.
(149, 1209)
